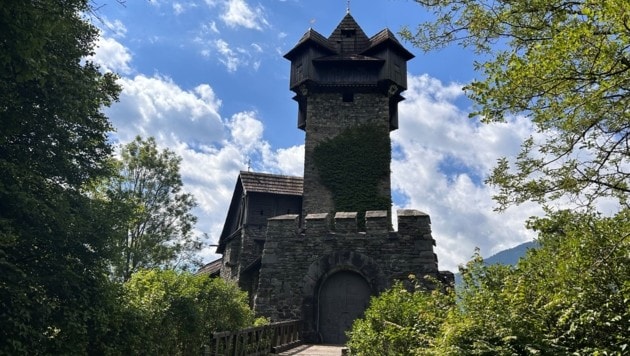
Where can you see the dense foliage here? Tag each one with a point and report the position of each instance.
(570, 296)
(57, 229)
(400, 320)
(565, 64)
(352, 176)
(53, 239)
(175, 313)
(155, 214)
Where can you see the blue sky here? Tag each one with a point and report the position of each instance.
(208, 80)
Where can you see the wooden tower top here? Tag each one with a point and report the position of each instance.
(348, 45)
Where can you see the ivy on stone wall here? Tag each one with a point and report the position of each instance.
(352, 165)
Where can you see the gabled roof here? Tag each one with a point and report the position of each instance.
(271, 183)
(311, 36)
(387, 37)
(253, 182)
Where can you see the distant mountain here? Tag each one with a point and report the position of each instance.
(511, 255)
(505, 257)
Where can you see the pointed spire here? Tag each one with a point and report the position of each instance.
(348, 7)
(348, 37)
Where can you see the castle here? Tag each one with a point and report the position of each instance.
(317, 248)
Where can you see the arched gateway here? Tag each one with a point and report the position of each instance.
(343, 297)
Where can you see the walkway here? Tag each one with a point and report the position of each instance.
(314, 350)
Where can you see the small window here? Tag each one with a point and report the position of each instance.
(348, 97)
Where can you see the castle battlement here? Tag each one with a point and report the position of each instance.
(412, 225)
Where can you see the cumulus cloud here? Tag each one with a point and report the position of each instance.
(178, 8)
(112, 56)
(441, 157)
(238, 13)
(156, 106)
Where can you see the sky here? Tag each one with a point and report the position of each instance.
(207, 79)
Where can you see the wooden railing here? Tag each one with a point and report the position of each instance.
(259, 340)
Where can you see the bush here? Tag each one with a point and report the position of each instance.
(400, 321)
(175, 313)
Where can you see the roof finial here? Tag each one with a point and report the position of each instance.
(348, 7)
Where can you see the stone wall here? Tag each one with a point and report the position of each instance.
(328, 115)
(296, 261)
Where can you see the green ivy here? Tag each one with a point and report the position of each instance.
(352, 164)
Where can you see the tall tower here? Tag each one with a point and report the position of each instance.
(347, 87)
(323, 265)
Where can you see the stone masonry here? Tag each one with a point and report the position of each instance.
(329, 116)
(296, 261)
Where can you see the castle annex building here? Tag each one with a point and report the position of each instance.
(317, 248)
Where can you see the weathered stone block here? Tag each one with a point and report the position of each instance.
(346, 222)
(317, 224)
(376, 221)
(413, 223)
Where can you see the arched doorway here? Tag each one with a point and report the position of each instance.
(343, 297)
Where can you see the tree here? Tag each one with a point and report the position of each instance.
(570, 296)
(52, 143)
(158, 229)
(563, 64)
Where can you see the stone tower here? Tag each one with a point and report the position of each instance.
(347, 87)
(322, 264)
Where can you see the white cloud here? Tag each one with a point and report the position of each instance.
(246, 130)
(239, 14)
(233, 59)
(440, 160)
(178, 8)
(112, 56)
(156, 106)
(213, 27)
(112, 28)
(287, 161)
(228, 56)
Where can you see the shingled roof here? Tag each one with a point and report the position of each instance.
(384, 37)
(271, 183)
(213, 268)
(311, 36)
(363, 45)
